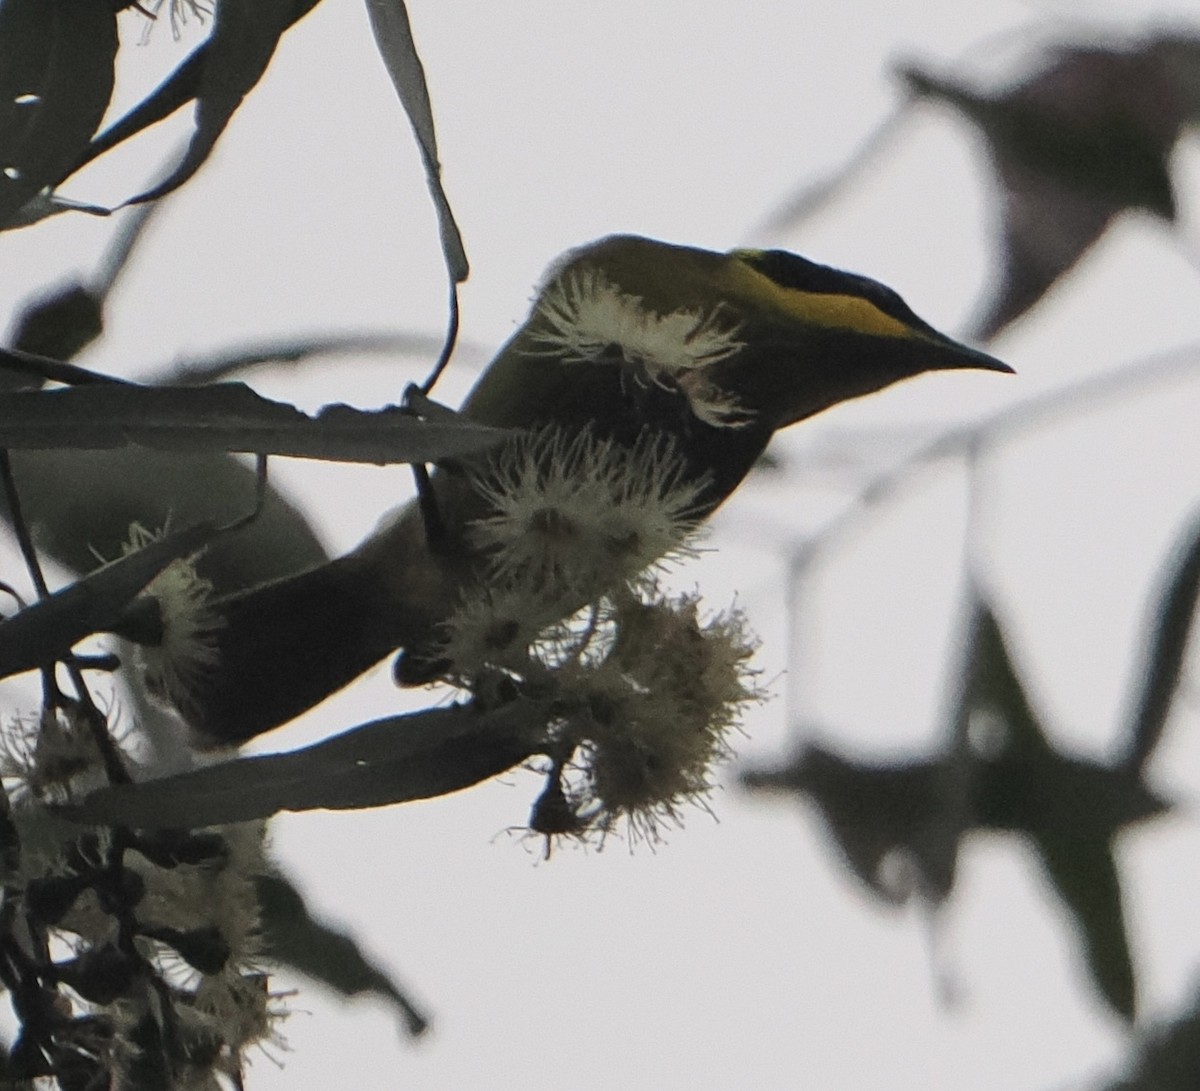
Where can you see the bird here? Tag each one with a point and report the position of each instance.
(647, 374)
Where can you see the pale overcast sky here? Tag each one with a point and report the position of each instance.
(739, 954)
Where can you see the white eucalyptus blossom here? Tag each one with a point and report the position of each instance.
(649, 691)
(496, 627)
(187, 646)
(571, 608)
(146, 944)
(49, 758)
(661, 706)
(577, 514)
(585, 317)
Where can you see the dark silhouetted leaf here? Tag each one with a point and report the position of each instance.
(292, 937)
(176, 91)
(243, 40)
(906, 813)
(396, 760)
(998, 772)
(53, 328)
(218, 84)
(46, 631)
(1166, 1057)
(1070, 809)
(992, 697)
(227, 417)
(1085, 138)
(46, 204)
(1167, 642)
(1084, 875)
(55, 84)
(393, 35)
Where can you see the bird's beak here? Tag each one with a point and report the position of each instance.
(950, 354)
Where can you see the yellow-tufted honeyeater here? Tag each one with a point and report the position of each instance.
(645, 383)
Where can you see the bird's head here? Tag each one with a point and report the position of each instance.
(718, 350)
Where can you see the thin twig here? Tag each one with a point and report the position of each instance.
(431, 515)
(55, 371)
(97, 722)
(8, 589)
(448, 345)
(261, 462)
(116, 257)
(20, 529)
(221, 365)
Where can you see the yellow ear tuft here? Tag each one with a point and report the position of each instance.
(827, 309)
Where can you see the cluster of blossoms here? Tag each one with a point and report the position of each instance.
(644, 690)
(131, 959)
(583, 316)
(648, 709)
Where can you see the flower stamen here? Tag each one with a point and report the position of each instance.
(586, 318)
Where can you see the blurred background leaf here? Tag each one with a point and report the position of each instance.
(292, 937)
(899, 824)
(1089, 135)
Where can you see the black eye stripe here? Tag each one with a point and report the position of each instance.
(789, 270)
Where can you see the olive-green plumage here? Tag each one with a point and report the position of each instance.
(627, 337)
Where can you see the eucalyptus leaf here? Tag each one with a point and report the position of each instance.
(993, 696)
(1088, 134)
(227, 417)
(293, 937)
(878, 813)
(176, 91)
(196, 75)
(45, 204)
(243, 40)
(1070, 809)
(1165, 1055)
(393, 36)
(1085, 877)
(55, 83)
(1167, 642)
(418, 755)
